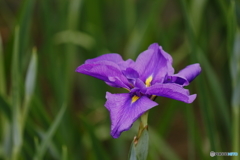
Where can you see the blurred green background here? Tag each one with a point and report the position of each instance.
(48, 111)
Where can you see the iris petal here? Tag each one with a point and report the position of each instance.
(186, 75)
(106, 71)
(124, 111)
(154, 62)
(171, 90)
(112, 57)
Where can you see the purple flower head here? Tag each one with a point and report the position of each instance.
(151, 74)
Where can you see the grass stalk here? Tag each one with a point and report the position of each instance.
(2, 75)
(16, 130)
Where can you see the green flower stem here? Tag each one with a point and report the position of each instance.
(144, 119)
(143, 123)
(139, 147)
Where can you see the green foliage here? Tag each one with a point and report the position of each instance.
(140, 150)
(35, 83)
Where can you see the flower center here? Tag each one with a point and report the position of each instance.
(148, 81)
(134, 98)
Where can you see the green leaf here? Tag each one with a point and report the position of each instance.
(235, 70)
(75, 37)
(97, 148)
(133, 154)
(235, 73)
(64, 153)
(5, 108)
(24, 22)
(139, 151)
(43, 146)
(162, 147)
(142, 146)
(17, 132)
(2, 75)
(217, 90)
(31, 75)
(30, 83)
(137, 36)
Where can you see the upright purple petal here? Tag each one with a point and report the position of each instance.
(124, 112)
(154, 62)
(171, 90)
(186, 75)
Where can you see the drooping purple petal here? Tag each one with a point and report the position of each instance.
(171, 90)
(107, 71)
(186, 75)
(124, 112)
(154, 62)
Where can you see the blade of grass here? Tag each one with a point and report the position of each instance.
(64, 153)
(67, 67)
(22, 31)
(6, 137)
(235, 74)
(191, 138)
(39, 113)
(9, 17)
(24, 21)
(5, 119)
(94, 12)
(17, 132)
(217, 91)
(136, 37)
(194, 140)
(207, 116)
(29, 88)
(97, 147)
(5, 108)
(2, 75)
(75, 37)
(36, 142)
(215, 87)
(161, 146)
(30, 83)
(44, 144)
(74, 11)
(196, 13)
(166, 118)
(52, 148)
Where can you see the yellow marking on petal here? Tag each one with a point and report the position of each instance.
(148, 81)
(134, 98)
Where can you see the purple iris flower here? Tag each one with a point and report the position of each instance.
(150, 75)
